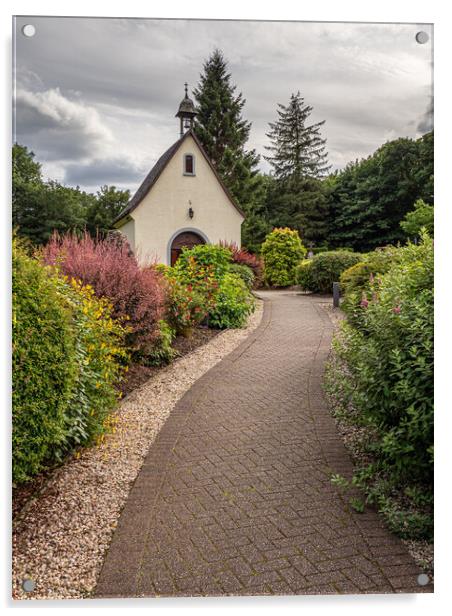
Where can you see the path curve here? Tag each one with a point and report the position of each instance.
(235, 498)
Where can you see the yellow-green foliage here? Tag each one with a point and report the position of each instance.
(282, 251)
(101, 358)
(234, 303)
(357, 279)
(44, 365)
(67, 358)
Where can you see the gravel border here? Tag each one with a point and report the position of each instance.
(62, 535)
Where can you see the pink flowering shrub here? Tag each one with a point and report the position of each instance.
(109, 266)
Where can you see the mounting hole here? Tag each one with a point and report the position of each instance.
(423, 579)
(28, 30)
(422, 37)
(28, 585)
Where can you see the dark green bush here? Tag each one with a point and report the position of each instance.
(303, 274)
(234, 303)
(245, 273)
(318, 249)
(282, 251)
(44, 366)
(388, 363)
(327, 268)
(356, 280)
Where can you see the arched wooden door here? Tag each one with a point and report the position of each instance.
(185, 239)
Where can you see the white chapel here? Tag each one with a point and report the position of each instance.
(181, 202)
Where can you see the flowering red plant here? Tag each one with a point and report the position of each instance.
(243, 257)
(186, 307)
(110, 267)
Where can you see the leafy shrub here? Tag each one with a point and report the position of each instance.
(282, 251)
(388, 361)
(357, 277)
(318, 249)
(234, 303)
(161, 268)
(422, 217)
(67, 358)
(188, 304)
(109, 266)
(44, 365)
(343, 249)
(326, 268)
(303, 274)
(162, 351)
(202, 258)
(356, 280)
(241, 256)
(245, 273)
(101, 361)
(204, 286)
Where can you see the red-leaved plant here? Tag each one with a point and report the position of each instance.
(110, 267)
(243, 257)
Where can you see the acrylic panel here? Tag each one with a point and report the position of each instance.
(222, 308)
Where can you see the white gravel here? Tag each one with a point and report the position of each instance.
(62, 535)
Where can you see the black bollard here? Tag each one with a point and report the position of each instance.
(336, 294)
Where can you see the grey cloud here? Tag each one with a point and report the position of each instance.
(105, 171)
(66, 128)
(368, 81)
(426, 122)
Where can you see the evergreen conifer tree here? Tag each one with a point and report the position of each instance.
(299, 160)
(298, 150)
(222, 130)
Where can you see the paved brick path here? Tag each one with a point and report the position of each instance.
(235, 496)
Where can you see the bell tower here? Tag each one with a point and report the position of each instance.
(186, 112)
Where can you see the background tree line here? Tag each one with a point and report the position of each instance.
(39, 207)
(360, 207)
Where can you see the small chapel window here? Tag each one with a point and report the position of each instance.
(189, 164)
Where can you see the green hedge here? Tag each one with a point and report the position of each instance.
(324, 269)
(388, 361)
(303, 274)
(44, 366)
(67, 358)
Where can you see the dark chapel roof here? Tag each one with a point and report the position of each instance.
(156, 171)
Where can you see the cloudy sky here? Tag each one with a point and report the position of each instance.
(95, 98)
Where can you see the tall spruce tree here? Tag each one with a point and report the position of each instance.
(298, 150)
(299, 160)
(222, 130)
